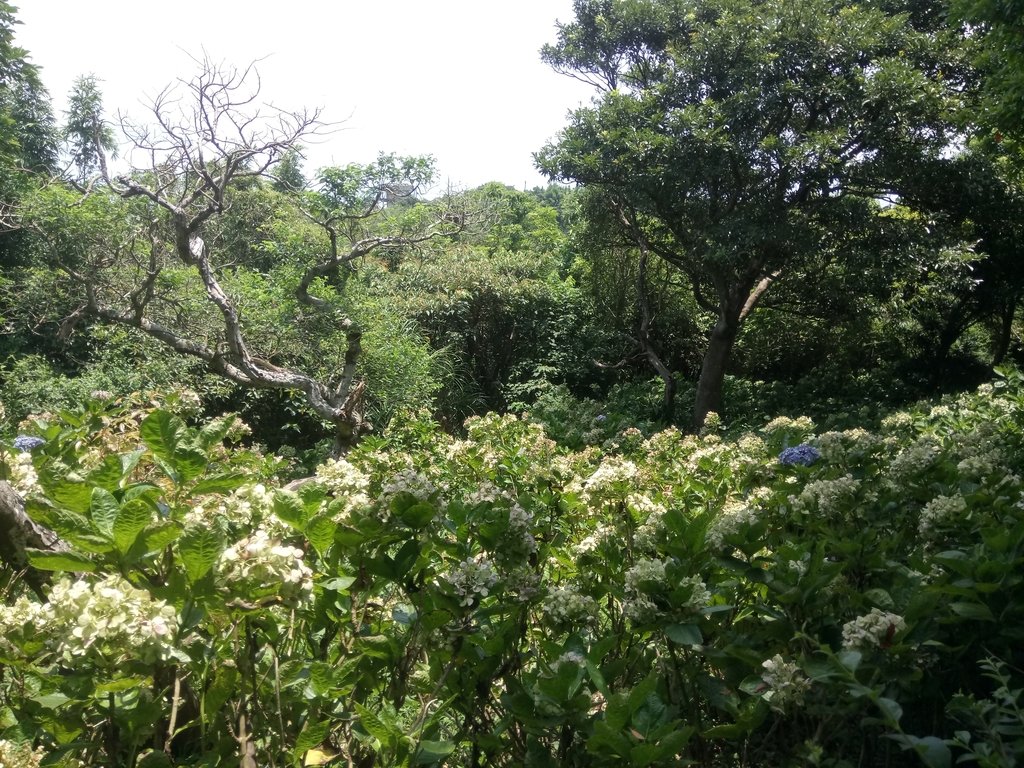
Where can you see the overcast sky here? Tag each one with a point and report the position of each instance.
(459, 79)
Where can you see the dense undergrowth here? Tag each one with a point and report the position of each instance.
(784, 596)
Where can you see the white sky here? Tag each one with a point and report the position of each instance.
(458, 79)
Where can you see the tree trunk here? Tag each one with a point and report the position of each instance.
(18, 532)
(712, 370)
(668, 399)
(1005, 335)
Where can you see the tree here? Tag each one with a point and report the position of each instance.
(86, 132)
(142, 248)
(737, 140)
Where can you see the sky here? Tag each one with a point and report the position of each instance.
(461, 80)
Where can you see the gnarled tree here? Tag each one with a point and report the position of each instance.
(143, 248)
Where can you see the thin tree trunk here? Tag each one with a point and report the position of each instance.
(712, 370)
(18, 533)
(668, 400)
(1005, 335)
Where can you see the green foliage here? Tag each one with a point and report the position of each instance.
(661, 600)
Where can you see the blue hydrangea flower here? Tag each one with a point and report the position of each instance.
(802, 454)
(600, 418)
(27, 442)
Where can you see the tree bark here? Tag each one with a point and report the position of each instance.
(712, 370)
(1005, 333)
(18, 533)
(668, 400)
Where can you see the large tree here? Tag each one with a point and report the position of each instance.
(738, 140)
(157, 247)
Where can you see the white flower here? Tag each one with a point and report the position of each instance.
(940, 511)
(733, 516)
(786, 683)
(259, 566)
(872, 629)
(474, 578)
(565, 605)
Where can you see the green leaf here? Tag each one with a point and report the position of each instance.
(59, 561)
(312, 735)
(108, 474)
(684, 634)
(215, 431)
(289, 508)
(222, 483)
(103, 510)
(616, 712)
(155, 760)
(190, 464)
(157, 536)
(199, 548)
(123, 684)
(374, 725)
(320, 532)
(972, 611)
(76, 497)
(132, 519)
(891, 709)
(431, 752)
(224, 684)
(161, 432)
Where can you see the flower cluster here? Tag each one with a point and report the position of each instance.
(651, 531)
(786, 682)
(246, 507)
(802, 454)
(27, 442)
(19, 755)
(259, 567)
(874, 629)
(917, 458)
(22, 474)
(342, 478)
(733, 516)
(408, 481)
(612, 472)
(939, 512)
(783, 428)
(565, 605)
(106, 621)
(828, 496)
(473, 579)
(645, 574)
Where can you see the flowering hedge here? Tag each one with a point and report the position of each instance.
(781, 597)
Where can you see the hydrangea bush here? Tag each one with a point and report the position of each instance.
(662, 600)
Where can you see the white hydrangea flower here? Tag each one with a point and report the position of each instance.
(23, 476)
(408, 481)
(260, 566)
(473, 579)
(940, 511)
(645, 572)
(106, 621)
(341, 477)
(19, 755)
(572, 658)
(786, 682)
(827, 496)
(872, 629)
(612, 471)
(594, 540)
(733, 515)
(566, 605)
(916, 458)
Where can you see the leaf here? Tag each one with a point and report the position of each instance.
(215, 431)
(190, 464)
(684, 634)
(373, 725)
(199, 548)
(225, 683)
(123, 684)
(108, 474)
(155, 760)
(891, 709)
(430, 752)
(76, 497)
(59, 561)
(161, 431)
(222, 483)
(972, 611)
(616, 713)
(320, 532)
(157, 536)
(103, 509)
(290, 509)
(312, 735)
(132, 519)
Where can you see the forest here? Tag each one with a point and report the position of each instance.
(707, 453)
